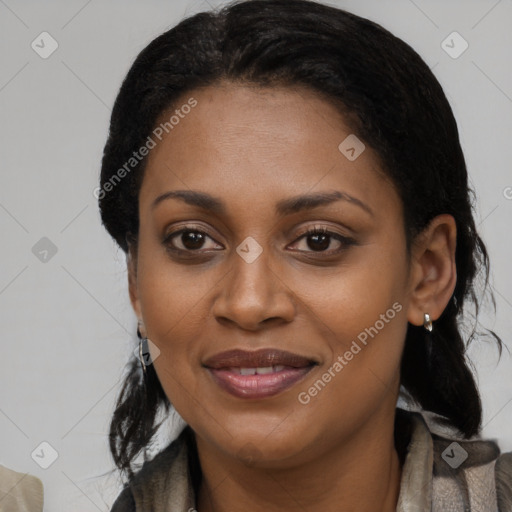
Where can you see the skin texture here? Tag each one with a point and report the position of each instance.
(252, 147)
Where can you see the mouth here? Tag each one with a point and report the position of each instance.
(258, 374)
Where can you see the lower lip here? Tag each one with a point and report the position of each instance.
(258, 386)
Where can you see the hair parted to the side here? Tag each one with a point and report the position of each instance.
(390, 99)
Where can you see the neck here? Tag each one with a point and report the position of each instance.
(360, 474)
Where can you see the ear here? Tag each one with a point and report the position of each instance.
(433, 269)
(131, 263)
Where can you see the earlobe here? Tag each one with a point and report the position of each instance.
(433, 271)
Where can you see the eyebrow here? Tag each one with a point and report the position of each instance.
(284, 207)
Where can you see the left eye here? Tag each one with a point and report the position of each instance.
(319, 239)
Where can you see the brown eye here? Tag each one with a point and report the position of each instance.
(321, 240)
(188, 239)
(192, 239)
(318, 241)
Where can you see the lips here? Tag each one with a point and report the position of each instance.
(257, 359)
(257, 374)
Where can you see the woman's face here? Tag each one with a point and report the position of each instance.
(323, 316)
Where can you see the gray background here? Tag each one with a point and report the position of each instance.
(67, 325)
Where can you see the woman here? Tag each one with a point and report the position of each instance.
(287, 182)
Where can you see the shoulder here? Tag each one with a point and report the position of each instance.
(475, 470)
(459, 473)
(125, 502)
(504, 481)
(153, 480)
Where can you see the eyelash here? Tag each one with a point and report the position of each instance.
(345, 241)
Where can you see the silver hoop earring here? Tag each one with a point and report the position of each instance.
(427, 322)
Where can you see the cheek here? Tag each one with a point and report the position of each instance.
(175, 302)
(172, 295)
(362, 324)
(359, 313)
(352, 297)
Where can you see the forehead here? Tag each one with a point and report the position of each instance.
(240, 141)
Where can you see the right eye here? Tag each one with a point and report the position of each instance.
(187, 239)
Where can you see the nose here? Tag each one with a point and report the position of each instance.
(253, 295)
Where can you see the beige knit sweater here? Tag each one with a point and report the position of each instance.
(20, 492)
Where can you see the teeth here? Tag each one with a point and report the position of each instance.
(263, 371)
(260, 371)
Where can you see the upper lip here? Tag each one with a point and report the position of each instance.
(257, 359)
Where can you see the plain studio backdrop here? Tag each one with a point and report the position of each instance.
(67, 324)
